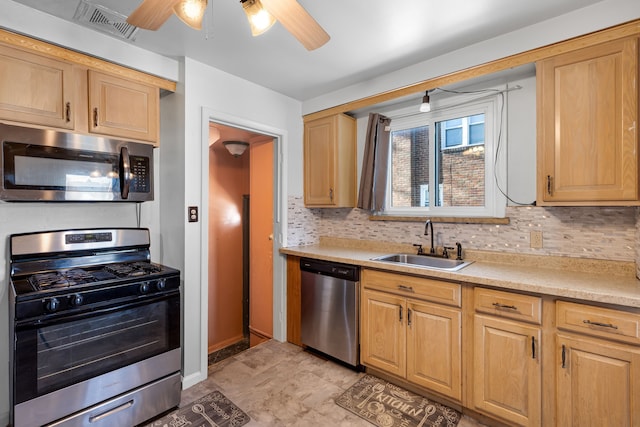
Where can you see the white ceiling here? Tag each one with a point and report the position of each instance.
(369, 38)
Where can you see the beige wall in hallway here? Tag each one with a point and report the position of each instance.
(228, 182)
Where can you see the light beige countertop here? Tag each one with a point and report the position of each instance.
(603, 281)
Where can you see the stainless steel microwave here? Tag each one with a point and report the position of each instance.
(51, 166)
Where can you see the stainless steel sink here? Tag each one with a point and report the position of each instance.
(424, 261)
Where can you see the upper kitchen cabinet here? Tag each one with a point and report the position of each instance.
(48, 86)
(36, 89)
(123, 108)
(587, 108)
(330, 162)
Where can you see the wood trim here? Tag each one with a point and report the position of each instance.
(43, 48)
(533, 55)
(294, 314)
(443, 219)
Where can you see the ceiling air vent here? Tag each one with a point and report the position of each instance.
(100, 18)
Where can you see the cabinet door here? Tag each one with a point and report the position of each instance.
(597, 383)
(507, 376)
(330, 162)
(433, 348)
(319, 161)
(35, 89)
(123, 108)
(382, 334)
(587, 133)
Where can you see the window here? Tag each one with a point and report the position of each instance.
(452, 150)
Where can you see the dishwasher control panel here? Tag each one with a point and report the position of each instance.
(329, 268)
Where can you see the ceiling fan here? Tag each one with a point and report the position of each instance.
(151, 14)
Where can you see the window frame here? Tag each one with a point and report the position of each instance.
(495, 156)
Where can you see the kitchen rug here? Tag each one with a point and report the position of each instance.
(386, 405)
(212, 410)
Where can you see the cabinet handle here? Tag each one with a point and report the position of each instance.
(331, 194)
(67, 112)
(400, 314)
(549, 180)
(408, 317)
(405, 288)
(533, 347)
(95, 117)
(602, 325)
(504, 307)
(564, 356)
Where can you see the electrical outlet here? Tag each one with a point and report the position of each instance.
(536, 239)
(192, 213)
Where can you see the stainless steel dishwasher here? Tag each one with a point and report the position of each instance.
(330, 309)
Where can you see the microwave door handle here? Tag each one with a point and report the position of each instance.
(125, 173)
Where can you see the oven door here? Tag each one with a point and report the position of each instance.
(54, 354)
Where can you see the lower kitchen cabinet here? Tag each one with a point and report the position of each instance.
(383, 332)
(506, 370)
(488, 354)
(411, 338)
(433, 348)
(598, 360)
(597, 383)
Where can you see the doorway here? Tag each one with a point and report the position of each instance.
(240, 236)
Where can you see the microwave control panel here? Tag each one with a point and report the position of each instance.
(140, 171)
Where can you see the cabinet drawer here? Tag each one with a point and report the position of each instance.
(598, 321)
(415, 287)
(506, 304)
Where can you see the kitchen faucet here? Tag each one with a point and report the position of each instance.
(428, 225)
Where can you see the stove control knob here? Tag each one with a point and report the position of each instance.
(52, 304)
(144, 288)
(75, 300)
(161, 284)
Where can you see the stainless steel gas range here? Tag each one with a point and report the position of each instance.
(95, 329)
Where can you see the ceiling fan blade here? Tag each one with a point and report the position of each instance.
(151, 14)
(298, 22)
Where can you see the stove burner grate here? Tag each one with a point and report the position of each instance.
(132, 269)
(60, 279)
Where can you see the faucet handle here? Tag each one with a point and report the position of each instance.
(445, 251)
(459, 251)
(419, 246)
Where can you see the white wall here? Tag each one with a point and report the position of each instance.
(22, 19)
(215, 92)
(600, 15)
(27, 217)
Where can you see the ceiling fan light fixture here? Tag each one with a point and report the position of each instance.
(236, 148)
(259, 19)
(191, 12)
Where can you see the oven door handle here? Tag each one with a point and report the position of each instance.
(125, 173)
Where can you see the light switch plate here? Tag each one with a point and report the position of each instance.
(192, 213)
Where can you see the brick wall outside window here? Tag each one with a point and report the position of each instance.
(461, 171)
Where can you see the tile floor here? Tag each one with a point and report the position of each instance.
(279, 384)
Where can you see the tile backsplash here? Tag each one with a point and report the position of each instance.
(609, 233)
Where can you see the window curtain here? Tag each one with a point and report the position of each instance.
(373, 181)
